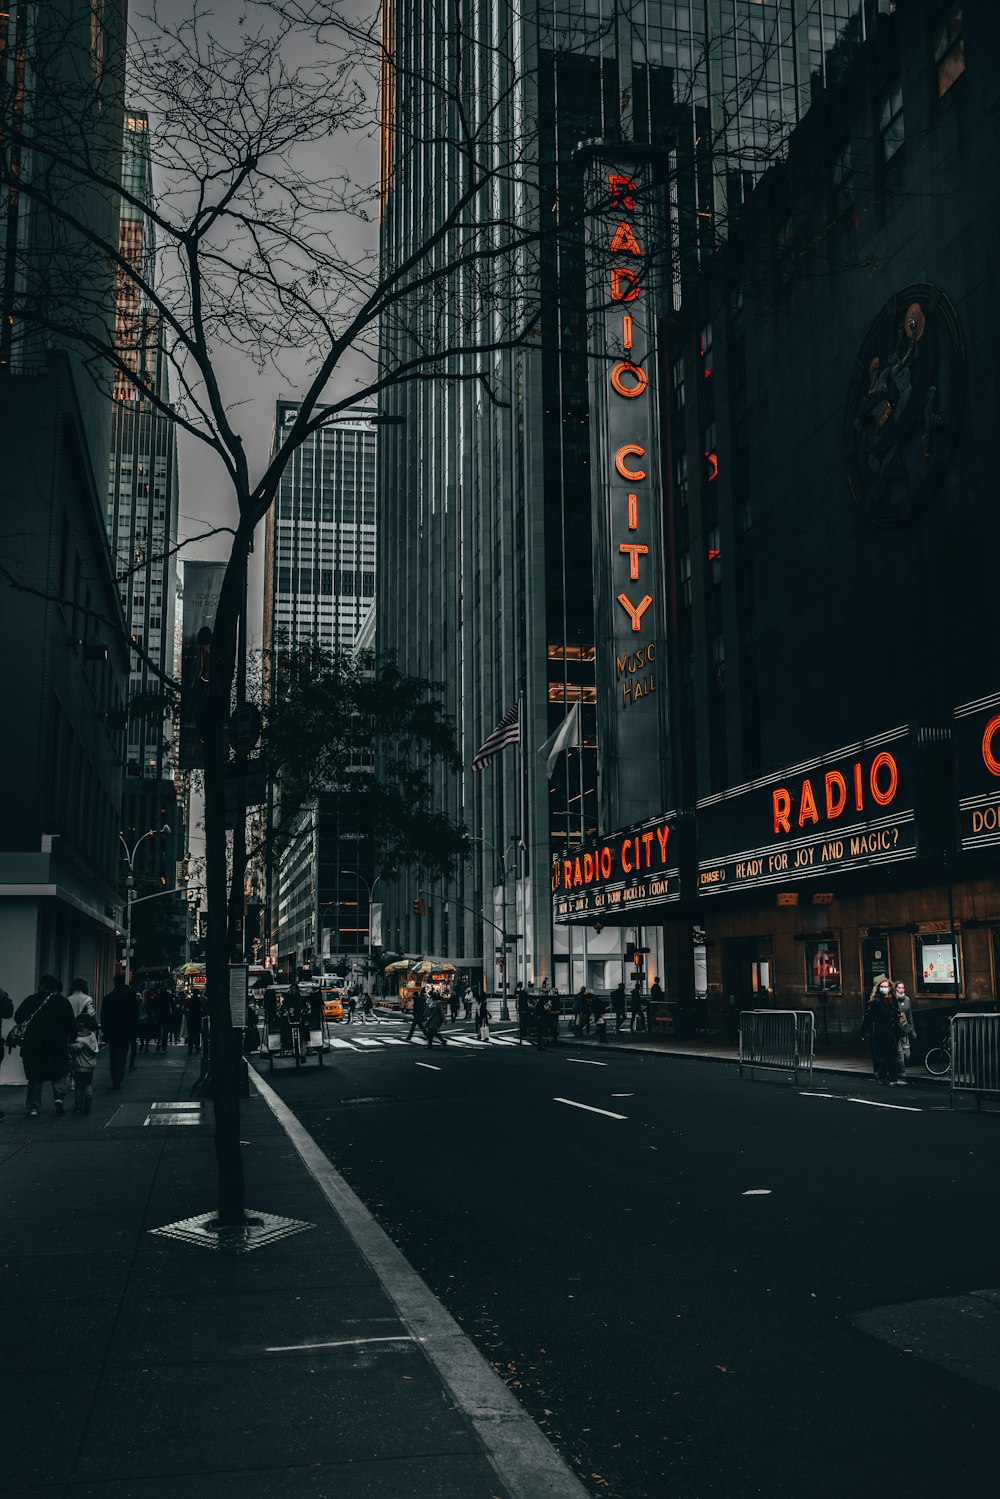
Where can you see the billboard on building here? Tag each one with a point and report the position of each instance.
(202, 588)
(626, 489)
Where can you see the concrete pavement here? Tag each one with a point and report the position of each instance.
(138, 1364)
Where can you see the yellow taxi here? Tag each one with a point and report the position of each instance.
(333, 1005)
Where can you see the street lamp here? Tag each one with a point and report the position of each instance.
(356, 874)
(130, 854)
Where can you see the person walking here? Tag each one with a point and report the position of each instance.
(483, 1020)
(434, 1020)
(466, 1002)
(119, 1025)
(883, 1023)
(83, 1051)
(581, 1011)
(618, 1005)
(351, 1006)
(161, 1008)
(419, 1012)
(909, 1030)
(543, 1021)
(368, 1010)
(6, 1013)
(637, 1013)
(194, 1016)
(523, 1005)
(81, 999)
(47, 1026)
(453, 1004)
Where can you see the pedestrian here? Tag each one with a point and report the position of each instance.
(419, 1012)
(147, 1024)
(119, 1025)
(581, 1012)
(637, 1014)
(80, 998)
(453, 1005)
(542, 1021)
(618, 1004)
(83, 1051)
(599, 1009)
(6, 1013)
(46, 1026)
(368, 1010)
(910, 1031)
(176, 1015)
(483, 1019)
(194, 1016)
(884, 1024)
(523, 1007)
(466, 1002)
(161, 1008)
(434, 1020)
(352, 1005)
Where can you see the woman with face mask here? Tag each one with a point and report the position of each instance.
(882, 1024)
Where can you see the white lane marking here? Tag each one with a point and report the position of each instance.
(464, 1041)
(758, 1192)
(807, 1093)
(364, 1041)
(344, 1343)
(905, 1108)
(392, 1041)
(501, 1041)
(589, 1107)
(429, 1065)
(342, 1045)
(623, 1095)
(582, 1062)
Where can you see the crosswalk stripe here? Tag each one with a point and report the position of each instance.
(363, 1041)
(346, 1045)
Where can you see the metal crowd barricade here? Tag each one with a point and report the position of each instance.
(778, 1041)
(975, 1057)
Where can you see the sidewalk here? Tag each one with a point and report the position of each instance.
(138, 1366)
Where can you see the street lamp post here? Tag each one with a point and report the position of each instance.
(130, 854)
(356, 873)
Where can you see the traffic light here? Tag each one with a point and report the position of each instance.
(419, 906)
(637, 960)
(629, 951)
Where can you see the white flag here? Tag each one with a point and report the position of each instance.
(567, 736)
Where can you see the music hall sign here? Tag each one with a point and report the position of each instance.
(628, 596)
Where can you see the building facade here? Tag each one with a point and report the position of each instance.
(64, 637)
(832, 805)
(494, 531)
(319, 587)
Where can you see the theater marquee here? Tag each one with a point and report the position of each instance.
(626, 873)
(848, 810)
(977, 759)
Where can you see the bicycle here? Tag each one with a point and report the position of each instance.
(938, 1059)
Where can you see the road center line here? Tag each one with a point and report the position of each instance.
(430, 1066)
(344, 1343)
(582, 1062)
(589, 1107)
(905, 1108)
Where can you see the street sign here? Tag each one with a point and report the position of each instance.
(239, 983)
(244, 728)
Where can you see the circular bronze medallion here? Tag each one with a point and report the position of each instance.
(904, 405)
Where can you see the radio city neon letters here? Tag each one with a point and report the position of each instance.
(629, 381)
(634, 855)
(989, 734)
(878, 787)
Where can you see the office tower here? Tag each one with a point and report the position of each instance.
(319, 587)
(488, 506)
(62, 635)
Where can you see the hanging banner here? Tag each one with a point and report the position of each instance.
(626, 491)
(375, 924)
(623, 876)
(202, 588)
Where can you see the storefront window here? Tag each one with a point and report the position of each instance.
(823, 967)
(935, 964)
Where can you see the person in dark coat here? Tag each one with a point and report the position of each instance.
(619, 1004)
(434, 1021)
(194, 1016)
(161, 1008)
(581, 1011)
(419, 1012)
(48, 1025)
(120, 1025)
(884, 1022)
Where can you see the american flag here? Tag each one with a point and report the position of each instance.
(507, 732)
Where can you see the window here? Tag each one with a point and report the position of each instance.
(718, 657)
(714, 555)
(677, 382)
(681, 479)
(843, 185)
(949, 48)
(890, 120)
(684, 576)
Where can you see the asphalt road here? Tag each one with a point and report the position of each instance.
(672, 1334)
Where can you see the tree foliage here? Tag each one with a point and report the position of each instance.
(356, 725)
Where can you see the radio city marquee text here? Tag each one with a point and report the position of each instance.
(865, 789)
(635, 671)
(625, 869)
